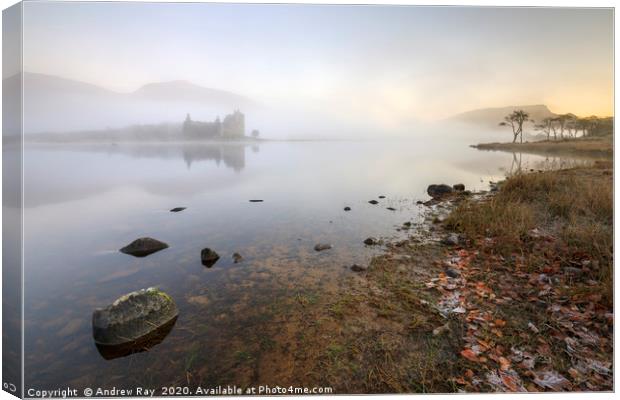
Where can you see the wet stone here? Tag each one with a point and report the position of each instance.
(437, 191)
(208, 257)
(142, 247)
(322, 246)
(237, 258)
(178, 209)
(347, 208)
(130, 322)
(373, 202)
(371, 241)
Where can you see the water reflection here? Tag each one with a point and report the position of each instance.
(230, 155)
(547, 163)
(144, 343)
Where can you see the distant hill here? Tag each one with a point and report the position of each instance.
(188, 92)
(54, 104)
(493, 116)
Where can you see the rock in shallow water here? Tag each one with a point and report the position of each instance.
(322, 246)
(437, 191)
(208, 257)
(142, 247)
(371, 241)
(132, 319)
(178, 209)
(237, 258)
(347, 208)
(373, 202)
(358, 268)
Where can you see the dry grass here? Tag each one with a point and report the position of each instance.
(575, 206)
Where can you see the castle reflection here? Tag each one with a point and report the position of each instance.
(230, 155)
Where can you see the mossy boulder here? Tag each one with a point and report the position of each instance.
(132, 317)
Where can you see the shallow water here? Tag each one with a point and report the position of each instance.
(84, 202)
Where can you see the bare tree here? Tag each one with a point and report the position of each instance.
(545, 127)
(515, 120)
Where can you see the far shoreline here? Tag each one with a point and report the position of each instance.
(594, 147)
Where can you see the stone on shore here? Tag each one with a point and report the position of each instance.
(322, 246)
(451, 239)
(142, 247)
(358, 268)
(459, 187)
(208, 257)
(438, 191)
(371, 241)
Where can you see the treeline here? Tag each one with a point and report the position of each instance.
(564, 126)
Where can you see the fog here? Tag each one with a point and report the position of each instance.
(306, 71)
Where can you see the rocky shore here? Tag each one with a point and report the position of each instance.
(480, 298)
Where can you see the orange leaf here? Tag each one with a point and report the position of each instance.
(470, 355)
(504, 364)
(500, 322)
(509, 383)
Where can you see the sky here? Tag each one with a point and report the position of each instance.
(391, 64)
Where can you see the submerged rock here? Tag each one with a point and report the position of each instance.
(459, 187)
(134, 322)
(237, 258)
(322, 246)
(373, 202)
(371, 241)
(178, 209)
(358, 268)
(208, 257)
(142, 247)
(436, 191)
(347, 208)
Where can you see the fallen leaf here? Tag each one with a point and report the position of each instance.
(551, 380)
(504, 364)
(470, 355)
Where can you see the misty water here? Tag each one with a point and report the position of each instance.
(84, 202)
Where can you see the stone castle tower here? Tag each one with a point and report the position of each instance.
(232, 127)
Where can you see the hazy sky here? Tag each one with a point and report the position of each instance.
(388, 63)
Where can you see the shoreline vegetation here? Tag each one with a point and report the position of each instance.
(587, 147)
(499, 291)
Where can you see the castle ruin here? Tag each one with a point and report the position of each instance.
(232, 127)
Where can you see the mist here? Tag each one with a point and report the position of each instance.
(307, 71)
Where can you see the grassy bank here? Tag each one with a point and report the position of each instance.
(523, 301)
(600, 147)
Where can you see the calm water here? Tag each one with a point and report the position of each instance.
(83, 203)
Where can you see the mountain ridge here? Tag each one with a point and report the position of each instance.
(495, 115)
